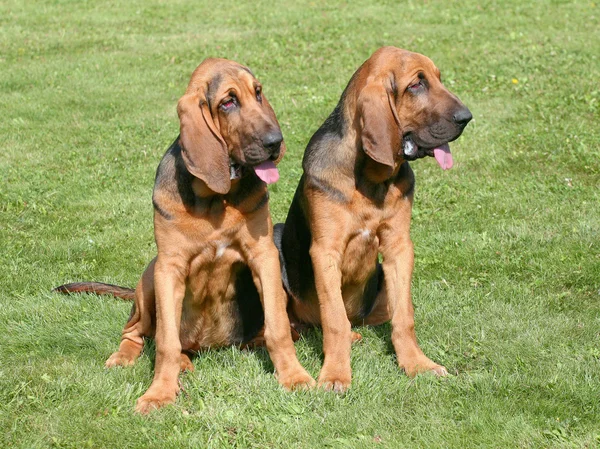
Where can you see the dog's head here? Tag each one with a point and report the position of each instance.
(405, 111)
(227, 126)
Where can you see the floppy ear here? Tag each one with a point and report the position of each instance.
(380, 134)
(203, 149)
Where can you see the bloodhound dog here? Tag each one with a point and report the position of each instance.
(354, 202)
(217, 268)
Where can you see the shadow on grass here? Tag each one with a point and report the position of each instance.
(311, 340)
(384, 333)
(312, 343)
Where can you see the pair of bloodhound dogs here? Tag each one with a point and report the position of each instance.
(224, 275)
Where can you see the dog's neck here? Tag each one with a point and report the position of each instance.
(378, 173)
(201, 190)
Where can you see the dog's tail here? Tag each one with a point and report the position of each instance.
(99, 288)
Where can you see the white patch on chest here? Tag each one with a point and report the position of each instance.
(221, 247)
(365, 233)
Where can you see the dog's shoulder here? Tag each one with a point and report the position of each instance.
(327, 163)
(321, 150)
(173, 181)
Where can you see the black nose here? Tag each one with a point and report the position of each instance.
(462, 117)
(272, 141)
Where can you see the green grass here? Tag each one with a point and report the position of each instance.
(507, 275)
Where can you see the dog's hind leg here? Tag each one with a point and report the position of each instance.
(186, 363)
(379, 312)
(140, 323)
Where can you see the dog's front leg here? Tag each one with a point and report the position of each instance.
(398, 260)
(336, 373)
(277, 334)
(169, 280)
(139, 324)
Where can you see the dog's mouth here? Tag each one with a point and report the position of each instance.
(441, 153)
(266, 170)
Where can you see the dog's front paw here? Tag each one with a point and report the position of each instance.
(335, 385)
(422, 365)
(439, 370)
(154, 400)
(297, 380)
(120, 359)
(336, 382)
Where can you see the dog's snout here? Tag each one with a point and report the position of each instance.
(272, 141)
(462, 116)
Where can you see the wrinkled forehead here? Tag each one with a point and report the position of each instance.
(237, 79)
(218, 74)
(412, 64)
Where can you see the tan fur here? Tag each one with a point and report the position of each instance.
(185, 297)
(348, 235)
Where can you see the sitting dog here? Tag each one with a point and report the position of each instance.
(354, 202)
(217, 267)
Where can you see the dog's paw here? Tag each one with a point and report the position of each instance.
(336, 385)
(120, 359)
(298, 380)
(356, 337)
(152, 401)
(336, 382)
(185, 363)
(440, 371)
(423, 365)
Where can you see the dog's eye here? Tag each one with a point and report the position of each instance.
(259, 94)
(229, 103)
(416, 86)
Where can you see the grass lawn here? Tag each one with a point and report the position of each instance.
(507, 243)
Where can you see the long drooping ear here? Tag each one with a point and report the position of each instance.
(203, 149)
(380, 134)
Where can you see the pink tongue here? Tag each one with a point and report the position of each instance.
(267, 172)
(443, 156)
